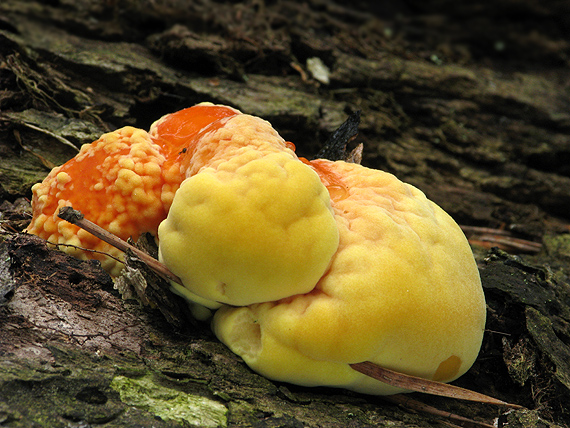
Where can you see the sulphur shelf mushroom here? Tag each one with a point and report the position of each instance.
(402, 291)
(309, 266)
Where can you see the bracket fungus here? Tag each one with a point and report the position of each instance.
(402, 291)
(251, 223)
(310, 266)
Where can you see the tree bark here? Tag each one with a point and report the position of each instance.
(467, 102)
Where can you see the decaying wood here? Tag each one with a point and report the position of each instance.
(468, 102)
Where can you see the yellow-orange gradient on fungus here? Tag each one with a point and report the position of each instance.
(387, 276)
(116, 182)
(177, 134)
(125, 182)
(334, 183)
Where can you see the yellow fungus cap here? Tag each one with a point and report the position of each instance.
(403, 291)
(254, 226)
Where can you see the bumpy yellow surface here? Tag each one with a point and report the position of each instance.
(403, 291)
(250, 226)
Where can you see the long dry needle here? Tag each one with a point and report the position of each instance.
(426, 386)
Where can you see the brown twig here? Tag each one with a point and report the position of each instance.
(501, 238)
(426, 386)
(76, 217)
(410, 403)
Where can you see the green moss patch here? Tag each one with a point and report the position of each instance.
(168, 403)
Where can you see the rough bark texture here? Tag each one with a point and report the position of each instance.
(469, 102)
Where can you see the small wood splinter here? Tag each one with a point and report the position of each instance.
(370, 369)
(76, 217)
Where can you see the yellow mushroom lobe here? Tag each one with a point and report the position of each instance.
(402, 291)
(254, 226)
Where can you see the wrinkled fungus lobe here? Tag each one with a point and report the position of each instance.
(251, 223)
(115, 182)
(310, 266)
(124, 182)
(402, 291)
